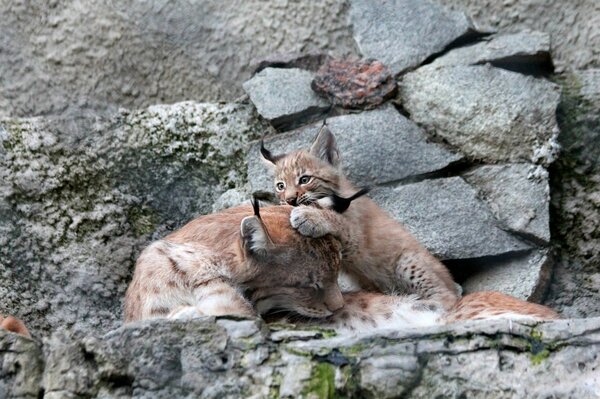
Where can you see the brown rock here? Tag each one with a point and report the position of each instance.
(354, 84)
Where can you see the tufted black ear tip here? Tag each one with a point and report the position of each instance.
(255, 206)
(268, 155)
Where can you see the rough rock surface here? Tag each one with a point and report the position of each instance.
(364, 140)
(310, 61)
(404, 33)
(79, 199)
(284, 97)
(575, 183)
(232, 358)
(21, 367)
(531, 270)
(61, 57)
(573, 25)
(522, 50)
(446, 216)
(518, 195)
(354, 84)
(494, 115)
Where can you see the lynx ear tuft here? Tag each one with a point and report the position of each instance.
(325, 147)
(267, 155)
(341, 204)
(255, 237)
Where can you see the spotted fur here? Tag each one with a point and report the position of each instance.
(239, 264)
(388, 258)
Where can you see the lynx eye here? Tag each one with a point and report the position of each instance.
(304, 179)
(280, 186)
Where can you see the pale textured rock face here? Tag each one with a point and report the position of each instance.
(79, 201)
(227, 358)
(404, 33)
(64, 56)
(494, 115)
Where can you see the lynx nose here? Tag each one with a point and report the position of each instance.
(291, 201)
(334, 301)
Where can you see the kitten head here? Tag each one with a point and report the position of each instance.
(305, 176)
(292, 272)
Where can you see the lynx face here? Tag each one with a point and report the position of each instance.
(304, 177)
(294, 273)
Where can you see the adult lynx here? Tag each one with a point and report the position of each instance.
(235, 263)
(388, 258)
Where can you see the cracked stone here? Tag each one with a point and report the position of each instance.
(446, 216)
(527, 51)
(518, 195)
(310, 62)
(284, 97)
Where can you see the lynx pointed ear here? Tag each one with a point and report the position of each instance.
(255, 238)
(325, 147)
(267, 155)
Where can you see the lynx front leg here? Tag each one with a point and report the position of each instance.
(217, 298)
(427, 277)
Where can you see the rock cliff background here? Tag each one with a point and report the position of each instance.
(93, 167)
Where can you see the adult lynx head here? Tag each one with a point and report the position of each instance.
(292, 272)
(305, 177)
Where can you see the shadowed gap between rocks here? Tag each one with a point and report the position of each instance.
(537, 65)
(463, 269)
(471, 37)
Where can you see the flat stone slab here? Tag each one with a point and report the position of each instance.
(376, 147)
(284, 97)
(446, 216)
(404, 33)
(518, 195)
(489, 113)
(528, 49)
(525, 277)
(200, 358)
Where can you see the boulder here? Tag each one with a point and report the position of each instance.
(447, 217)
(404, 33)
(488, 113)
(284, 97)
(80, 198)
(518, 195)
(364, 140)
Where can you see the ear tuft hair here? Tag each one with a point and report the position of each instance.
(267, 155)
(341, 204)
(255, 206)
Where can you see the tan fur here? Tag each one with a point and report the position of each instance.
(12, 324)
(209, 267)
(491, 304)
(388, 259)
(365, 312)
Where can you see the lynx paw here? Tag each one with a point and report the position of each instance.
(309, 222)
